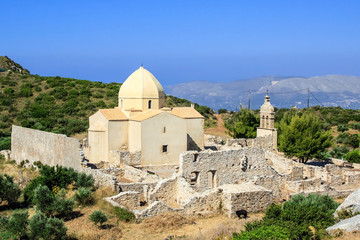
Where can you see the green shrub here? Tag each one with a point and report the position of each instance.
(264, 232)
(5, 143)
(85, 181)
(98, 217)
(15, 224)
(83, 196)
(41, 227)
(353, 156)
(292, 219)
(43, 199)
(50, 204)
(342, 128)
(9, 191)
(124, 214)
(339, 152)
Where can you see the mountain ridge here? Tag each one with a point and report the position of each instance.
(326, 90)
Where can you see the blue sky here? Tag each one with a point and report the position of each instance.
(180, 41)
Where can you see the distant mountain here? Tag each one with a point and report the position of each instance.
(328, 90)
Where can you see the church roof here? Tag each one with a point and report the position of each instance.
(141, 84)
(186, 112)
(146, 115)
(113, 114)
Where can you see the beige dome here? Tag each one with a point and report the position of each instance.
(267, 107)
(141, 84)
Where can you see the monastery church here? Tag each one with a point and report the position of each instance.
(141, 126)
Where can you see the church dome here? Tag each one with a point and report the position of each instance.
(267, 107)
(141, 84)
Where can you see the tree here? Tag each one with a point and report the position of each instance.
(303, 137)
(242, 124)
(98, 217)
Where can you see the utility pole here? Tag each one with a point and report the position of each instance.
(308, 98)
(249, 100)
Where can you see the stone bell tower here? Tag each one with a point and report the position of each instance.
(267, 119)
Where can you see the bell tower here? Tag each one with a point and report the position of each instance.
(267, 119)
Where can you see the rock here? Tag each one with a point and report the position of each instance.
(351, 203)
(348, 225)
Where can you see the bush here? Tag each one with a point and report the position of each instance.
(50, 204)
(5, 143)
(292, 219)
(353, 156)
(84, 196)
(98, 217)
(15, 224)
(339, 152)
(85, 181)
(9, 191)
(124, 214)
(41, 227)
(264, 232)
(58, 177)
(342, 128)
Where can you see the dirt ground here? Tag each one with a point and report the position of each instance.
(219, 130)
(160, 227)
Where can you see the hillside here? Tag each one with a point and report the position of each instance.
(56, 104)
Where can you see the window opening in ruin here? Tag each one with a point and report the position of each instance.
(212, 179)
(164, 148)
(194, 178)
(196, 155)
(164, 130)
(149, 104)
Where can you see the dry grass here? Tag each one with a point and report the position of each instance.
(166, 221)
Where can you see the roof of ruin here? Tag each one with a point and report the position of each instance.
(113, 114)
(186, 112)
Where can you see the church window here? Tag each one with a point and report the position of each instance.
(164, 130)
(164, 148)
(149, 104)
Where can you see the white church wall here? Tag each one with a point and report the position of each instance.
(154, 137)
(118, 135)
(97, 136)
(134, 136)
(195, 130)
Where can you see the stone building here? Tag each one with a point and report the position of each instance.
(267, 119)
(142, 127)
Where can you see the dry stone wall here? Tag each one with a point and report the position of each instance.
(48, 148)
(209, 169)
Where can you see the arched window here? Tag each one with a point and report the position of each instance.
(149, 104)
(267, 121)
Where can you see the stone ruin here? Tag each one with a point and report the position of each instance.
(241, 174)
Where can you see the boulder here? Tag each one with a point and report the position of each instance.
(351, 203)
(347, 225)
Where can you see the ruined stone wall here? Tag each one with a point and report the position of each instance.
(245, 196)
(48, 148)
(165, 191)
(209, 169)
(125, 158)
(265, 142)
